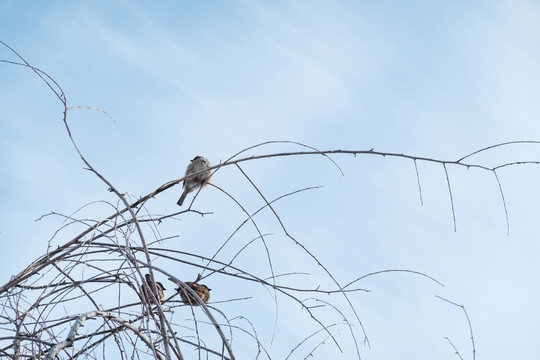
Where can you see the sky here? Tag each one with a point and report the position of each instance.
(430, 79)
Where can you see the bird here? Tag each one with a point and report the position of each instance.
(198, 165)
(202, 291)
(159, 287)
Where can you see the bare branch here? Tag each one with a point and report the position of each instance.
(78, 323)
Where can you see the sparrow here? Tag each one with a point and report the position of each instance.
(202, 291)
(197, 181)
(159, 286)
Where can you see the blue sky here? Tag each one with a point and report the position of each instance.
(185, 78)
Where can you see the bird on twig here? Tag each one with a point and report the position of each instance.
(202, 291)
(148, 284)
(198, 165)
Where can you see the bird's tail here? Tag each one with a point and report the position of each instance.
(182, 198)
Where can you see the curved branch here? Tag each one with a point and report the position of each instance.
(78, 323)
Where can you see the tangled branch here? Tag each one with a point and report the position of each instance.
(104, 266)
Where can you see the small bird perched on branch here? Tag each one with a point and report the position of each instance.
(159, 286)
(198, 165)
(202, 292)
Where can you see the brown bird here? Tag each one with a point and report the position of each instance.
(159, 286)
(202, 291)
(197, 181)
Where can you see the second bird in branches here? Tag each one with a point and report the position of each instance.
(201, 176)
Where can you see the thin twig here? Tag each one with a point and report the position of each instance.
(468, 322)
(451, 197)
